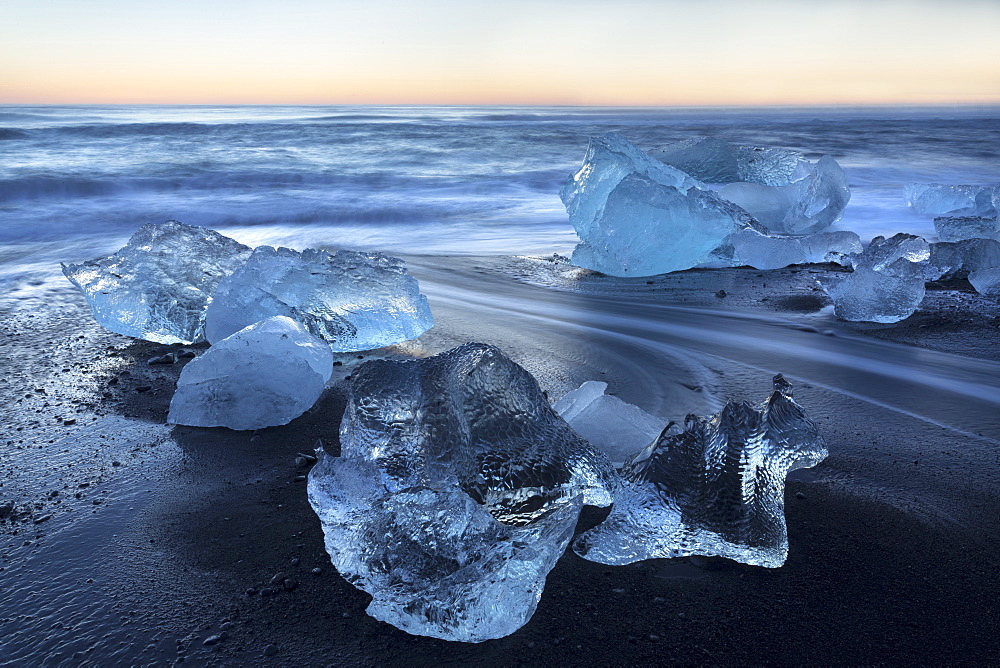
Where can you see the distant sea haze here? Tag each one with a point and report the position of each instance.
(77, 180)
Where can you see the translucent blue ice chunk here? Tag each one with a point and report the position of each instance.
(986, 281)
(159, 285)
(773, 252)
(958, 259)
(264, 375)
(355, 301)
(714, 487)
(636, 216)
(887, 284)
(938, 199)
(456, 492)
(715, 160)
(959, 228)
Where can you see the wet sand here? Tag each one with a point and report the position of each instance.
(158, 540)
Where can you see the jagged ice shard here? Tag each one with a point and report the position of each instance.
(264, 375)
(887, 284)
(159, 285)
(772, 252)
(960, 258)
(714, 487)
(636, 216)
(456, 492)
(960, 228)
(355, 301)
(781, 189)
(615, 427)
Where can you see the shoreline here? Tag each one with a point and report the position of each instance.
(892, 547)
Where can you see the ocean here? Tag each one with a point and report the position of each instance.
(76, 181)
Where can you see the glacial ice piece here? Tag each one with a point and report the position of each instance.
(773, 252)
(613, 426)
(781, 189)
(986, 281)
(714, 487)
(887, 284)
(456, 491)
(355, 301)
(264, 375)
(717, 161)
(435, 561)
(959, 258)
(959, 228)
(158, 286)
(937, 199)
(805, 206)
(636, 216)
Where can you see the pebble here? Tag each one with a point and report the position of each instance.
(168, 358)
(295, 561)
(43, 518)
(278, 577)
(300, 478)
(290, 584)
(212, 640)
(721, 294)
(799, 495)
(270, 650)
(144, 388)
(317, 571)
(186, 354)
(68, 422)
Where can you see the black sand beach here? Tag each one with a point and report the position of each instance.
(131, 542)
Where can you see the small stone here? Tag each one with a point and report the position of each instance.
(212, 640)
(270, 650)
(295, 561)
(69, 422)
(186, 354)
(799, 495)
(300, 478)
(721, 294)
(168, 358)
(317, 571)
(43, 518)
(225, 626)
(116, 463)
(144, 388)
(290, 584)
(278, 577)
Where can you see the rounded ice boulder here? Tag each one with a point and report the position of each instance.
(264, 375)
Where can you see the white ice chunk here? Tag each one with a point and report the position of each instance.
(158, 286)
(356, 301)
(714, 487)
(887, 284)
(617, 428)
(937, 199)
(264, 375)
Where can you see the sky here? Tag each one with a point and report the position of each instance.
(582, 52)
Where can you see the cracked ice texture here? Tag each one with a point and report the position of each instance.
(986, 281)
(939, 199)
(887, 284)
(159, 285)
(636, 216)
(714, 487)
(616, 428)
(264, 375)
(456, 492)
(355, 301)
(781, 189)
(773, 252)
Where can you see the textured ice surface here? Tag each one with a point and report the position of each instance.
(937, 199)
(717, 161)
(264, 375)
(714, 487)
(957, 259)
(986, 281)
(958, 228)
(773, 252)
(613, 426)
(887, 284)
(356, 301)
(158, 286)
(636, 216)
(807, 205)
(456, 491)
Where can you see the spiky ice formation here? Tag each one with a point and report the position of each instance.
(887, 284)
(264, 375)
(356, 301)
(159, 285)
(456, 491)
(714, 487)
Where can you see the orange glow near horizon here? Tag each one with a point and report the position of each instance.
(633, 53)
